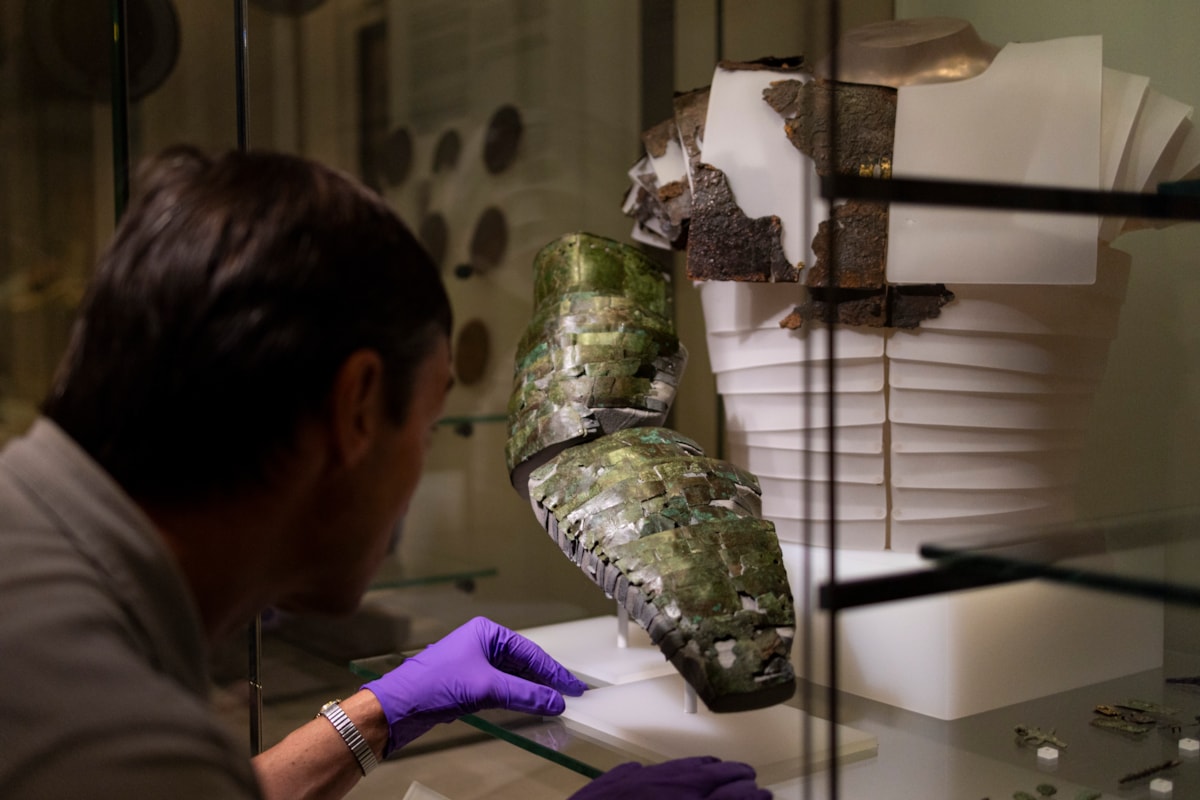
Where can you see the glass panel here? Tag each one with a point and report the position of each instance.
(56, 204)
(1151, 555)
(979, 448)
(487, 127)
(494, 127)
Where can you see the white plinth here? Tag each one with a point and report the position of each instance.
(588, 648)
(646, 719)
(953, 655)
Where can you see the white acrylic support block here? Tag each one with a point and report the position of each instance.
(419, 791)
(646, 719)
(1189, 747)
(1161, 787)
(588, 648)
(953, 655)
(1047, 755)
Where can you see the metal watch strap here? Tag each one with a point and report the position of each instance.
(333, 712)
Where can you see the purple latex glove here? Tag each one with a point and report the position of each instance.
(479, 665)
(697, 778)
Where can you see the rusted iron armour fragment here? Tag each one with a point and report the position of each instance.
(675, 537)
(691, 108)
(675, 196)
(890, 307)
(723, 243)
(656, 208)
(850, 287)
(726, 245)
(855, 290)
(866, 122)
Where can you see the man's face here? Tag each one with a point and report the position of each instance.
(352, 537)
(409, 444)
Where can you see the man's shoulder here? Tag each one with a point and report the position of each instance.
(98, 701)
(88, 710)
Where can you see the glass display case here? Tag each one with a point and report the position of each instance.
(1008, 656)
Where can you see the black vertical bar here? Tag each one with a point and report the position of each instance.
(240, 45)
(720, 30)
(119, 104)
(658, 61)
(656, 20)
(831, 374)
(254, 632)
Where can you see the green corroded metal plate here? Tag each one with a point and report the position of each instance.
(584, 262)
(674, 535)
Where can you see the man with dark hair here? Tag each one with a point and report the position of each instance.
(241, 418)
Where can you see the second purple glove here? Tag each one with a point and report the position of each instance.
(478, 665)
(696, 778)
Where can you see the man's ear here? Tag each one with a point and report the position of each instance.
(356, 405)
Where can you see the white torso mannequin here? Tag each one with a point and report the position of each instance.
(974, 421)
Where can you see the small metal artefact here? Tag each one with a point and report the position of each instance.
(1047, 789)
(1148, 707)
(1108, 711)
(1027, 735)
(1148, 771)
(1121, 726)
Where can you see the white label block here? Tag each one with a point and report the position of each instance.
(1161, 787)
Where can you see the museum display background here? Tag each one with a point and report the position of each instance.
(581, 129)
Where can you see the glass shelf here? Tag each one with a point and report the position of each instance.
(975, 756)
(398, 573)
(549, 739)
(472, 419)
(1150, 555)
(1135, 554)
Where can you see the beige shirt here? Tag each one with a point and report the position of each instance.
(103, 686)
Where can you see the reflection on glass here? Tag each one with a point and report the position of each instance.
(490, 239)
(397, 156)
(471, 351)
(291, 8)
(503, 137)
(445, 155)
(435, 236)
(71, 44)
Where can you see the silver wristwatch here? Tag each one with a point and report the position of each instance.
(332, 711)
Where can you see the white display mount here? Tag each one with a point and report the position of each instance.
(602, 651)
(642, 707)
(951, 656)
